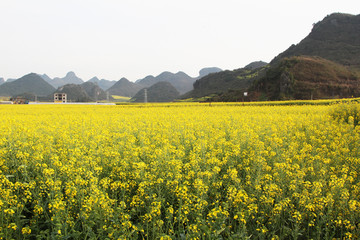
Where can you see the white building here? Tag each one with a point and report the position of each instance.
(60, 97)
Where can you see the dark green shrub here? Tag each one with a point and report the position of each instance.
(347, 112)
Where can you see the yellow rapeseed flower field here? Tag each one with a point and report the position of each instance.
(178, 171)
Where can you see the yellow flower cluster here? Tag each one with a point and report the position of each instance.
(178, 171)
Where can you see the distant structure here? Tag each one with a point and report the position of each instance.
(6, 102)
(145, 95)
(60, 97)
(19, 100)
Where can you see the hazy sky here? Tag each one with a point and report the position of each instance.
(131, 38)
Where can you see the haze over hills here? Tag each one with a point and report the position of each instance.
(46, 78)
(10, 80)
(103, 83)
(180, 80)
(123, 87)
(158, 92)
(336, 39)
(33, 86)
(68, 79)
(30, 83)
(325, 64)
(2, 81)
(206, 71)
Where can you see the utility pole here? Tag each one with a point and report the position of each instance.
(97, 93)
(145, 95)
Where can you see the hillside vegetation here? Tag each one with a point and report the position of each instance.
(221, 82)
(306, 77)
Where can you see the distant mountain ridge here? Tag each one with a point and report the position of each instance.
(10, 80)
(2, 80)
(30, 83)
(46, 78)
(103, 83)
(180, 80)
(325, 64)
(70, 78)
(124, 88)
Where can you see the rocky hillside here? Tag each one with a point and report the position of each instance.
(336, 38)
(305, 77)
(325, 64)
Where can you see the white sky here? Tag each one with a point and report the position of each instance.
(131, 38)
